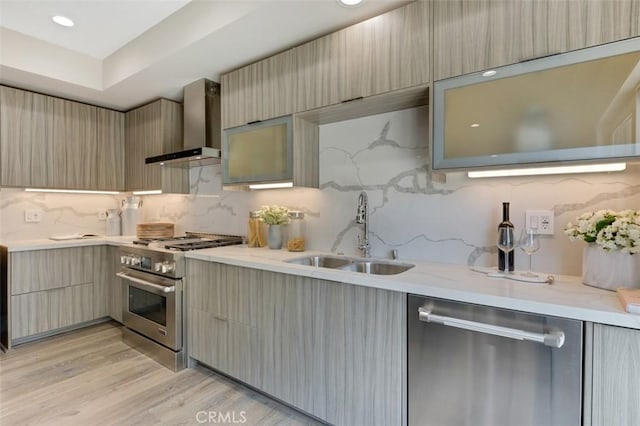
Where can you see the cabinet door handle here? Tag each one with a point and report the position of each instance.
(533, 58)
(254, 122)
(352, 99)
(554, 339)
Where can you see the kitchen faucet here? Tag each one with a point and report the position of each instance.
(362, 217)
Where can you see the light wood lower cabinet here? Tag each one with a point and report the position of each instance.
(612, 385)
(37, 270)
(47, 310)
(58, 288)
(108, 287)
(336, 351)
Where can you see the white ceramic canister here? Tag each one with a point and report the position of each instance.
(113, 222)
(131, 212)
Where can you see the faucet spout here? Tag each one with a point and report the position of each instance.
(362, 217)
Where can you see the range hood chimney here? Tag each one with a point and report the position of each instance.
(202, 127)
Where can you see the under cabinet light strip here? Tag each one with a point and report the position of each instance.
(272, 185)
(71, 191)
(149, 192)
(591, 168)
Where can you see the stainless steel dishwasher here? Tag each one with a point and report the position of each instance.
(475, 365)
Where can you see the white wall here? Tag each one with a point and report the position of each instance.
(385, 155)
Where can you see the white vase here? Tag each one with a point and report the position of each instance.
(610, 269)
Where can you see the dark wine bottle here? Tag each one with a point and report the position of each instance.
(505, 262)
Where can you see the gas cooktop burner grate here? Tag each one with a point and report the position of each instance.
(191, 241)
(205, 243)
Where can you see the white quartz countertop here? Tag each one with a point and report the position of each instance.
(45, 243)
(567, 297)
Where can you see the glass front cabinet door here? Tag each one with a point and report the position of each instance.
(259, 152)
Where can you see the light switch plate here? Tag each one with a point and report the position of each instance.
(542, 220)
(32, 215)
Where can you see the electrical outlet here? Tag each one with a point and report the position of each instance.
(102, 215)
(32, 215)
(542, 220)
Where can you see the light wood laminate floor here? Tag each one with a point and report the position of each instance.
(89, 377)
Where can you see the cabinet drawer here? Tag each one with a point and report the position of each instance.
(47, 269)
(43, 311)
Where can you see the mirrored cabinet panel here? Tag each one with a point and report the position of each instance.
(580, 106)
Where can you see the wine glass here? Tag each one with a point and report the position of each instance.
(529, 243)
(506, 242)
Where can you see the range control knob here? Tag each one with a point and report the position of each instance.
(135, 260)
(157, 267)
(168, 267)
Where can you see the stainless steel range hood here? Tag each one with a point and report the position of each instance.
(202, 127)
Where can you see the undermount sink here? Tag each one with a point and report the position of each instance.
(321, 261)
(377, 268)
(368, 266)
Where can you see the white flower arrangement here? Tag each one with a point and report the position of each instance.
(274, 215)
(609, 229)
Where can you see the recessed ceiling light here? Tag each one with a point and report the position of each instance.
(349, 3)
(63, 20)
(489, 73)
(474, 125)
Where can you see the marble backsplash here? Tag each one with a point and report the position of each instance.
(386, 156)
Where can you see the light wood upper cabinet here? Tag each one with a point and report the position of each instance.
(385, 53)
(26, 138)
(75, 144)
(613, 390)
(150, 130)
(279, 85)
(55, 143)
(319, 71)
(578, 24)
(388, 52)
(259, 91)
(109, 155)
(241, 92)
(472, 35)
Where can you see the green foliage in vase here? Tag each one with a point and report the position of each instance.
(274, 215)
(609, 229)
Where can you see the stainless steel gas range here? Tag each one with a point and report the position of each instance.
(152, 273)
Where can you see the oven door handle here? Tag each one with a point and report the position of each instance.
(554, 339)
(164, 289)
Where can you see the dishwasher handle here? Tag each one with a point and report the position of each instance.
(554, 339)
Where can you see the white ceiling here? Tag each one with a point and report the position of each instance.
(123, 53)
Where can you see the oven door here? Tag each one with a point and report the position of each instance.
(153, 307)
